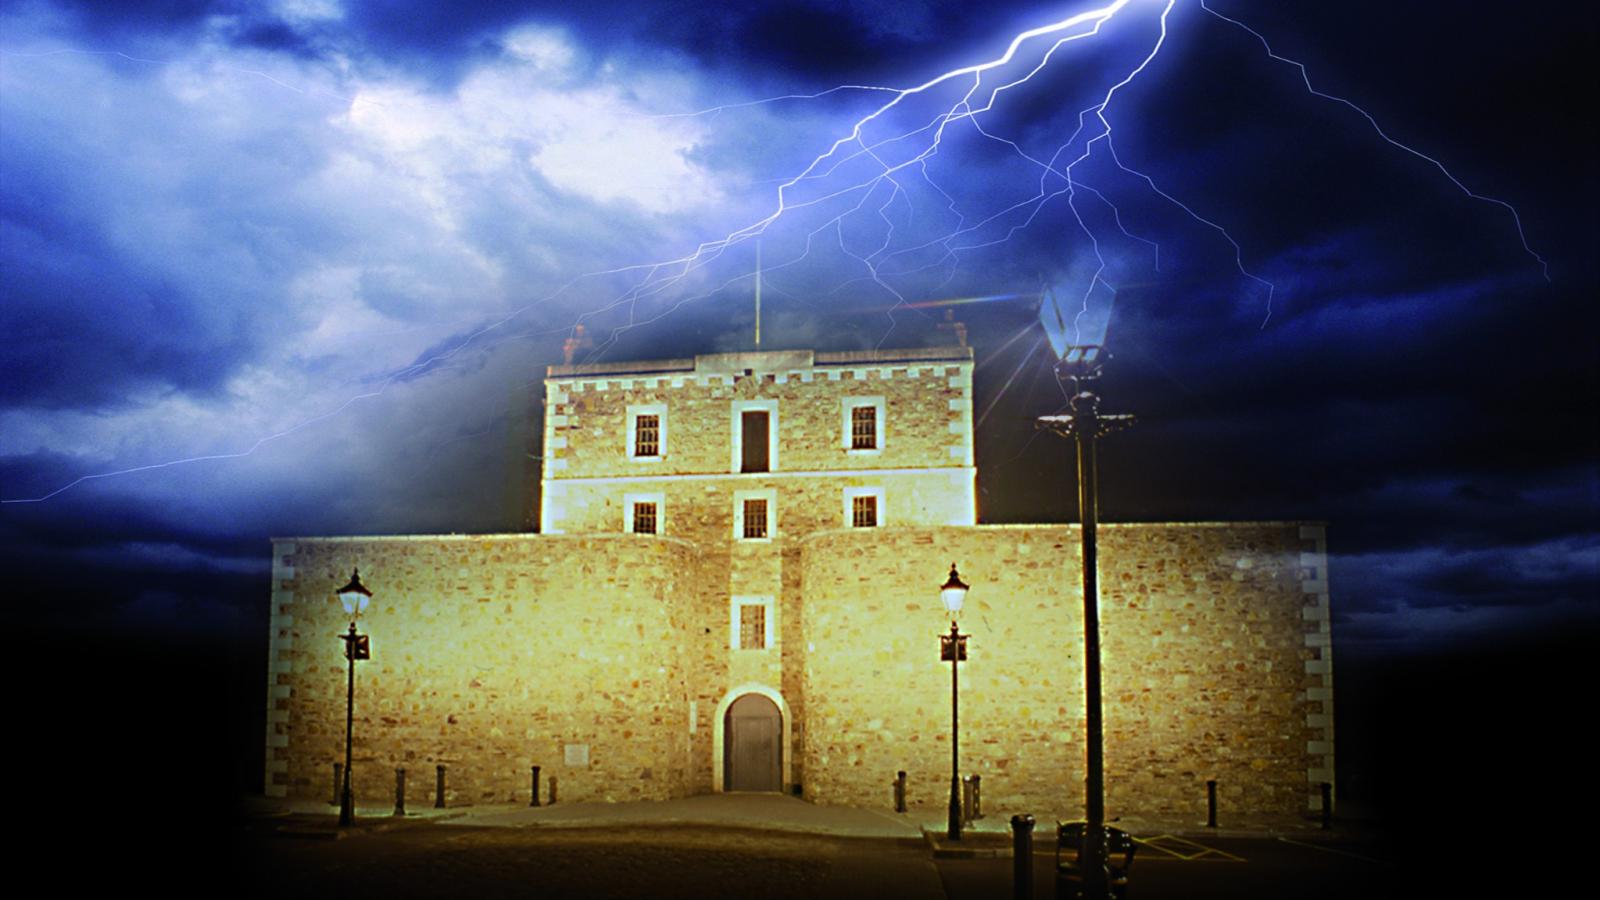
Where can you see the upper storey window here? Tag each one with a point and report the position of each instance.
(647, 432)
(753, 426)
(755, 435)
(861, 426)
(647, 436)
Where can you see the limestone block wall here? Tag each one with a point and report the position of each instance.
(927, 411)
(490, 654)
(701, 509)
(1214, 666)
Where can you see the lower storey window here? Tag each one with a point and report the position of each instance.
(755, 518)
(644, 518)
(864, 511)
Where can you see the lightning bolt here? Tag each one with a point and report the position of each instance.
(1305, 77)
(898, 162)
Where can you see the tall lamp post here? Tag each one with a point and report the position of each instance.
(355, 597)
(953, 648)
(1078, 369)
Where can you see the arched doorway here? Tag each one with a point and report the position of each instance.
(752, 752)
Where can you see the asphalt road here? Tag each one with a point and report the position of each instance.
(421, 859)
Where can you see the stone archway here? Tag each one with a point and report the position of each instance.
(749, 698)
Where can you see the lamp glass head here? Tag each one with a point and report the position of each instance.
(954, 591)
(355, 595)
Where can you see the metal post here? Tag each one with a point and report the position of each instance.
(1091, 855)
(969, 809)
(953, 829)
(1327, 806)
(438, 787)
(400, 791)
(977, 797)
(900, 791)
(552, 790)
(338, 783)
(535, 791)
(1022, 857)
(1080, 365)
(346, 801)
(1211, 804)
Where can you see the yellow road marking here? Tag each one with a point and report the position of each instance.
(1182, 848)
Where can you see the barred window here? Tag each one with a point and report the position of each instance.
(864, 511)
(752, 627)
(647, 435)
(863, 428)
(644, 518)
(755, 518)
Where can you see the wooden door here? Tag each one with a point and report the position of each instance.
(753, 745)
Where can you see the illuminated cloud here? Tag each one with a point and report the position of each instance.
(218, 224)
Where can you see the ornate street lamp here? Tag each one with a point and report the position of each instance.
(953, 648)
(1078, 369)
(355, 597)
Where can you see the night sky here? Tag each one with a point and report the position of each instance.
(329, 247)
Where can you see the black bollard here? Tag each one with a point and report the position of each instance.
(1327, 806)
(338, 781)
(535, 792)
(900, 791)
(552, 790)
(977, 797)
(1022, 857)
(1211, 804)
(966, 800)
(438, 787)
(400, 791)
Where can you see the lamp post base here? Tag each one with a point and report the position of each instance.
(953, 832)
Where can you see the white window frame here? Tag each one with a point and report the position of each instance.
(769, 621)
(846, 431)
(635, 410)
(660, 500)
(739, 497)
(851, 493)
(739, 408)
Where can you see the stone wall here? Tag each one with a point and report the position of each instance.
(1214, 666)
(490, 654)
(494, 653)
(927, 414)
(702, 509)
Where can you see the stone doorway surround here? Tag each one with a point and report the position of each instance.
(720, 736)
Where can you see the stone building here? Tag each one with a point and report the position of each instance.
(735, 587)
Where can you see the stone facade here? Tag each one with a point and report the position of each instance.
(1213, 665)
(610, 658)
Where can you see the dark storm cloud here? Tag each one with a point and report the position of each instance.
(201, 272)
(825, 39)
